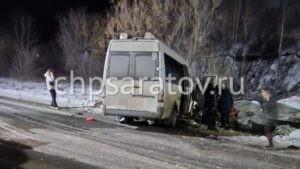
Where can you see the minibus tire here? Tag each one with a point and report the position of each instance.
(118, 119)
(129, 120)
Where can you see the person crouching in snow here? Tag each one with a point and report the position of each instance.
(50, 80)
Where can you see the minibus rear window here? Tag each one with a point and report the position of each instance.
(145, 64)
(119, 64)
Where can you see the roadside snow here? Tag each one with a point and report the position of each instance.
(292, 139)
(293, 102)
(37, 92)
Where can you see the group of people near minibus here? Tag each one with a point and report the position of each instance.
(219, 107)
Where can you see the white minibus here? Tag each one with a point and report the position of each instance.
(136, 81)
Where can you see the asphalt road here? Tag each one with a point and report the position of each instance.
(34, 136)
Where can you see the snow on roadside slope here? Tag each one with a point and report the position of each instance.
(37, 92)
(293, 102)
(292, 139)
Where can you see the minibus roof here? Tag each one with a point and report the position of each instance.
(141, 44)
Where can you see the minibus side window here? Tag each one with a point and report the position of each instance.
(174, 68)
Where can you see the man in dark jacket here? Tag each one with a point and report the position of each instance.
(225, 104)
(211, 101)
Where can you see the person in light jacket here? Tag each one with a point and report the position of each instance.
(50, 81)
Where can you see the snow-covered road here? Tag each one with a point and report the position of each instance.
(106, 144)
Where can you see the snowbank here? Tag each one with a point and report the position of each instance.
(293, 102)
(292, 139)
(37, 92)
(250, 114)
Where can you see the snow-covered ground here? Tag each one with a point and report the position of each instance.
(293, 139)
(293, 102)
(37, 92)
(288, 109)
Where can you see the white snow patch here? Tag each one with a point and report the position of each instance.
(292, 139)
(37, 92)
(293, 102)
(279, 141)
(295, 134)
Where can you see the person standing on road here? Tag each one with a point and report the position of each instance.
(225, 104)
(50, 81)
(268, 106)
(211, 107)
(207, 103)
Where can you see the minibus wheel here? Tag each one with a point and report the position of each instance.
(129, 120)
(120, 119)
(124, 120)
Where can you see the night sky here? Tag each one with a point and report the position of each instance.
(45, 12)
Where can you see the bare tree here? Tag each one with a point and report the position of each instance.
(245, 35)
(23, 65)
(202, 13)
(74, 39)
(6, 49)
(183, 25)
(284, 5)
(236, 19)
(143, 16)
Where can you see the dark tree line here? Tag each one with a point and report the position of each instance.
(197, 29)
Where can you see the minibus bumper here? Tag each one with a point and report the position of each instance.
(134, 113)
